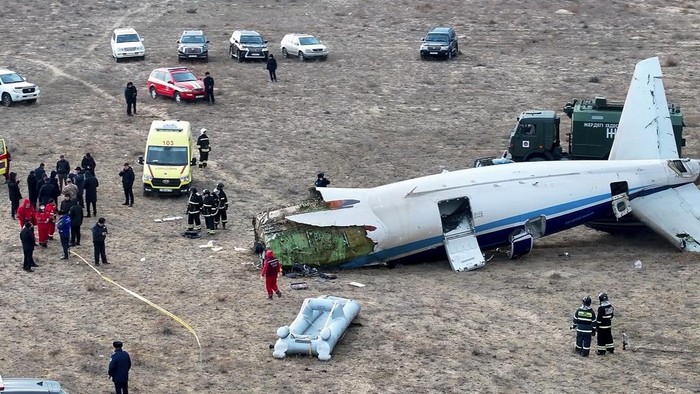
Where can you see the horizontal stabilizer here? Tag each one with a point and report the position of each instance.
(338, 218)
(338, 193)
(674, 214)
(645, 130)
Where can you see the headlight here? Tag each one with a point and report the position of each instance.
(147, 178)
(423, 46)
(185, 178)
(308, 50)
(444, 48)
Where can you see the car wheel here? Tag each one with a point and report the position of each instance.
(6, 99)
(206, 59)
(301, 56)
(230, 51)
(238, 55)
(449, 55)
(324, 58)
(285, 54)
(154, 94)
(143, 58)
(177, 97)
(116, 59)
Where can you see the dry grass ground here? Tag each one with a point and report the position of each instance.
(372, 114)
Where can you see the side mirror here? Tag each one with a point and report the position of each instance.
(194, 161)
(178, 41)
(423, 39)
(140, 159)
(171, 82)
(207, 41)
(141, 39)
(265, 41)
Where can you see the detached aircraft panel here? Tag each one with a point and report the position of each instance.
(674, 214)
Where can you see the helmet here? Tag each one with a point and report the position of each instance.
(205, 191)
(202, 131)
(220, 185)
(193, 190)
(586, 300)
(603, 297)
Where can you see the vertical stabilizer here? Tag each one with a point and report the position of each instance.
(645, 130)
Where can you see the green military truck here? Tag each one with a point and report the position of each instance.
(593, 126)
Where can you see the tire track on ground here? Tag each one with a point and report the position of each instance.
(59, 72)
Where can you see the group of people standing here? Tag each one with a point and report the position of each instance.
(587, 323)
(213, 206)
(44, 213)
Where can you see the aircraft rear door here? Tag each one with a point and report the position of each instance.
(4, 157)
(620, 199)
(461, 245)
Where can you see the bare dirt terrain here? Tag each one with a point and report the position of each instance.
(372, 114)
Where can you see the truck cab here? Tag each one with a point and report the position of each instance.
(168, 158)
(535, 137)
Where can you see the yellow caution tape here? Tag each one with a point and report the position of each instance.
(142, 298)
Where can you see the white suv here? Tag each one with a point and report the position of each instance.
(14, 87)
(247, 44)
(303, 46)
(127, 43)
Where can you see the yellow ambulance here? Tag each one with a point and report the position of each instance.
(168, 159)
(4, 159)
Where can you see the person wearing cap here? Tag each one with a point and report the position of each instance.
(70, 188)
(209, 207)
(321, 180)
(99, 234)
(270, 271)
(63, 227)
(127, 174)
(28, 243)
(204, 148)
(62, 170)
(130, 95)
(208, 88)
(119, 366)
(221, 217)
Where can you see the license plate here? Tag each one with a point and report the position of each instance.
(193, 56)
(433, 53)
(200, 96)
(166, 190)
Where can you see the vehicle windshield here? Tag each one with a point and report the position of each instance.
(184, 77)
(437, 38)
(308, 41)
(128, 38)
(251, 40)
(11, 78)
(167, 155)
(192, 40)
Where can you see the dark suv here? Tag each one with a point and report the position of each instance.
(440, 42)
(193, 44)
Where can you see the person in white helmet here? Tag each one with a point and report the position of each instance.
(204, 148)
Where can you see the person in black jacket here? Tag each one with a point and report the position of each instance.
(221, 217)
(209, 207)
(53, 178)
(99, 234)
(76, 220)
(62, 169)
(194, 206)
(606, 312)
(79, 181)
(90, 185)
(204, 148)
(208, 88)
(321, 180)
(40, 171)
(15, 194)
(127, 174)
(28, 243)
(88, 163)
(32, 188)
(130, 95)
(47, 191)
(119, 366)
(272, 68)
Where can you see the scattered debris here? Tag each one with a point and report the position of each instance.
(237, 249)
(324, 275)
(143, 259)
(356, 284)
(299, 286)
(217, 249)
(562, 11)
(625, 341)
(170, 219)
(638, 264)
(209, 244)
(565, 254)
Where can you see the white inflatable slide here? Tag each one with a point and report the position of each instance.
(317, 328)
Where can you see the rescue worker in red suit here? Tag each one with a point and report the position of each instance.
(270, 270)
(42, 224)
(26, 212)
(50, 208)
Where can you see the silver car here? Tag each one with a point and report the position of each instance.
(30, 386)
(303, 46)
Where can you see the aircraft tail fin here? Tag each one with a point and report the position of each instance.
(645, 130)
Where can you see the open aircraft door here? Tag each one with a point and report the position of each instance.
(4, 158)
(461, 245)
(620, 199)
